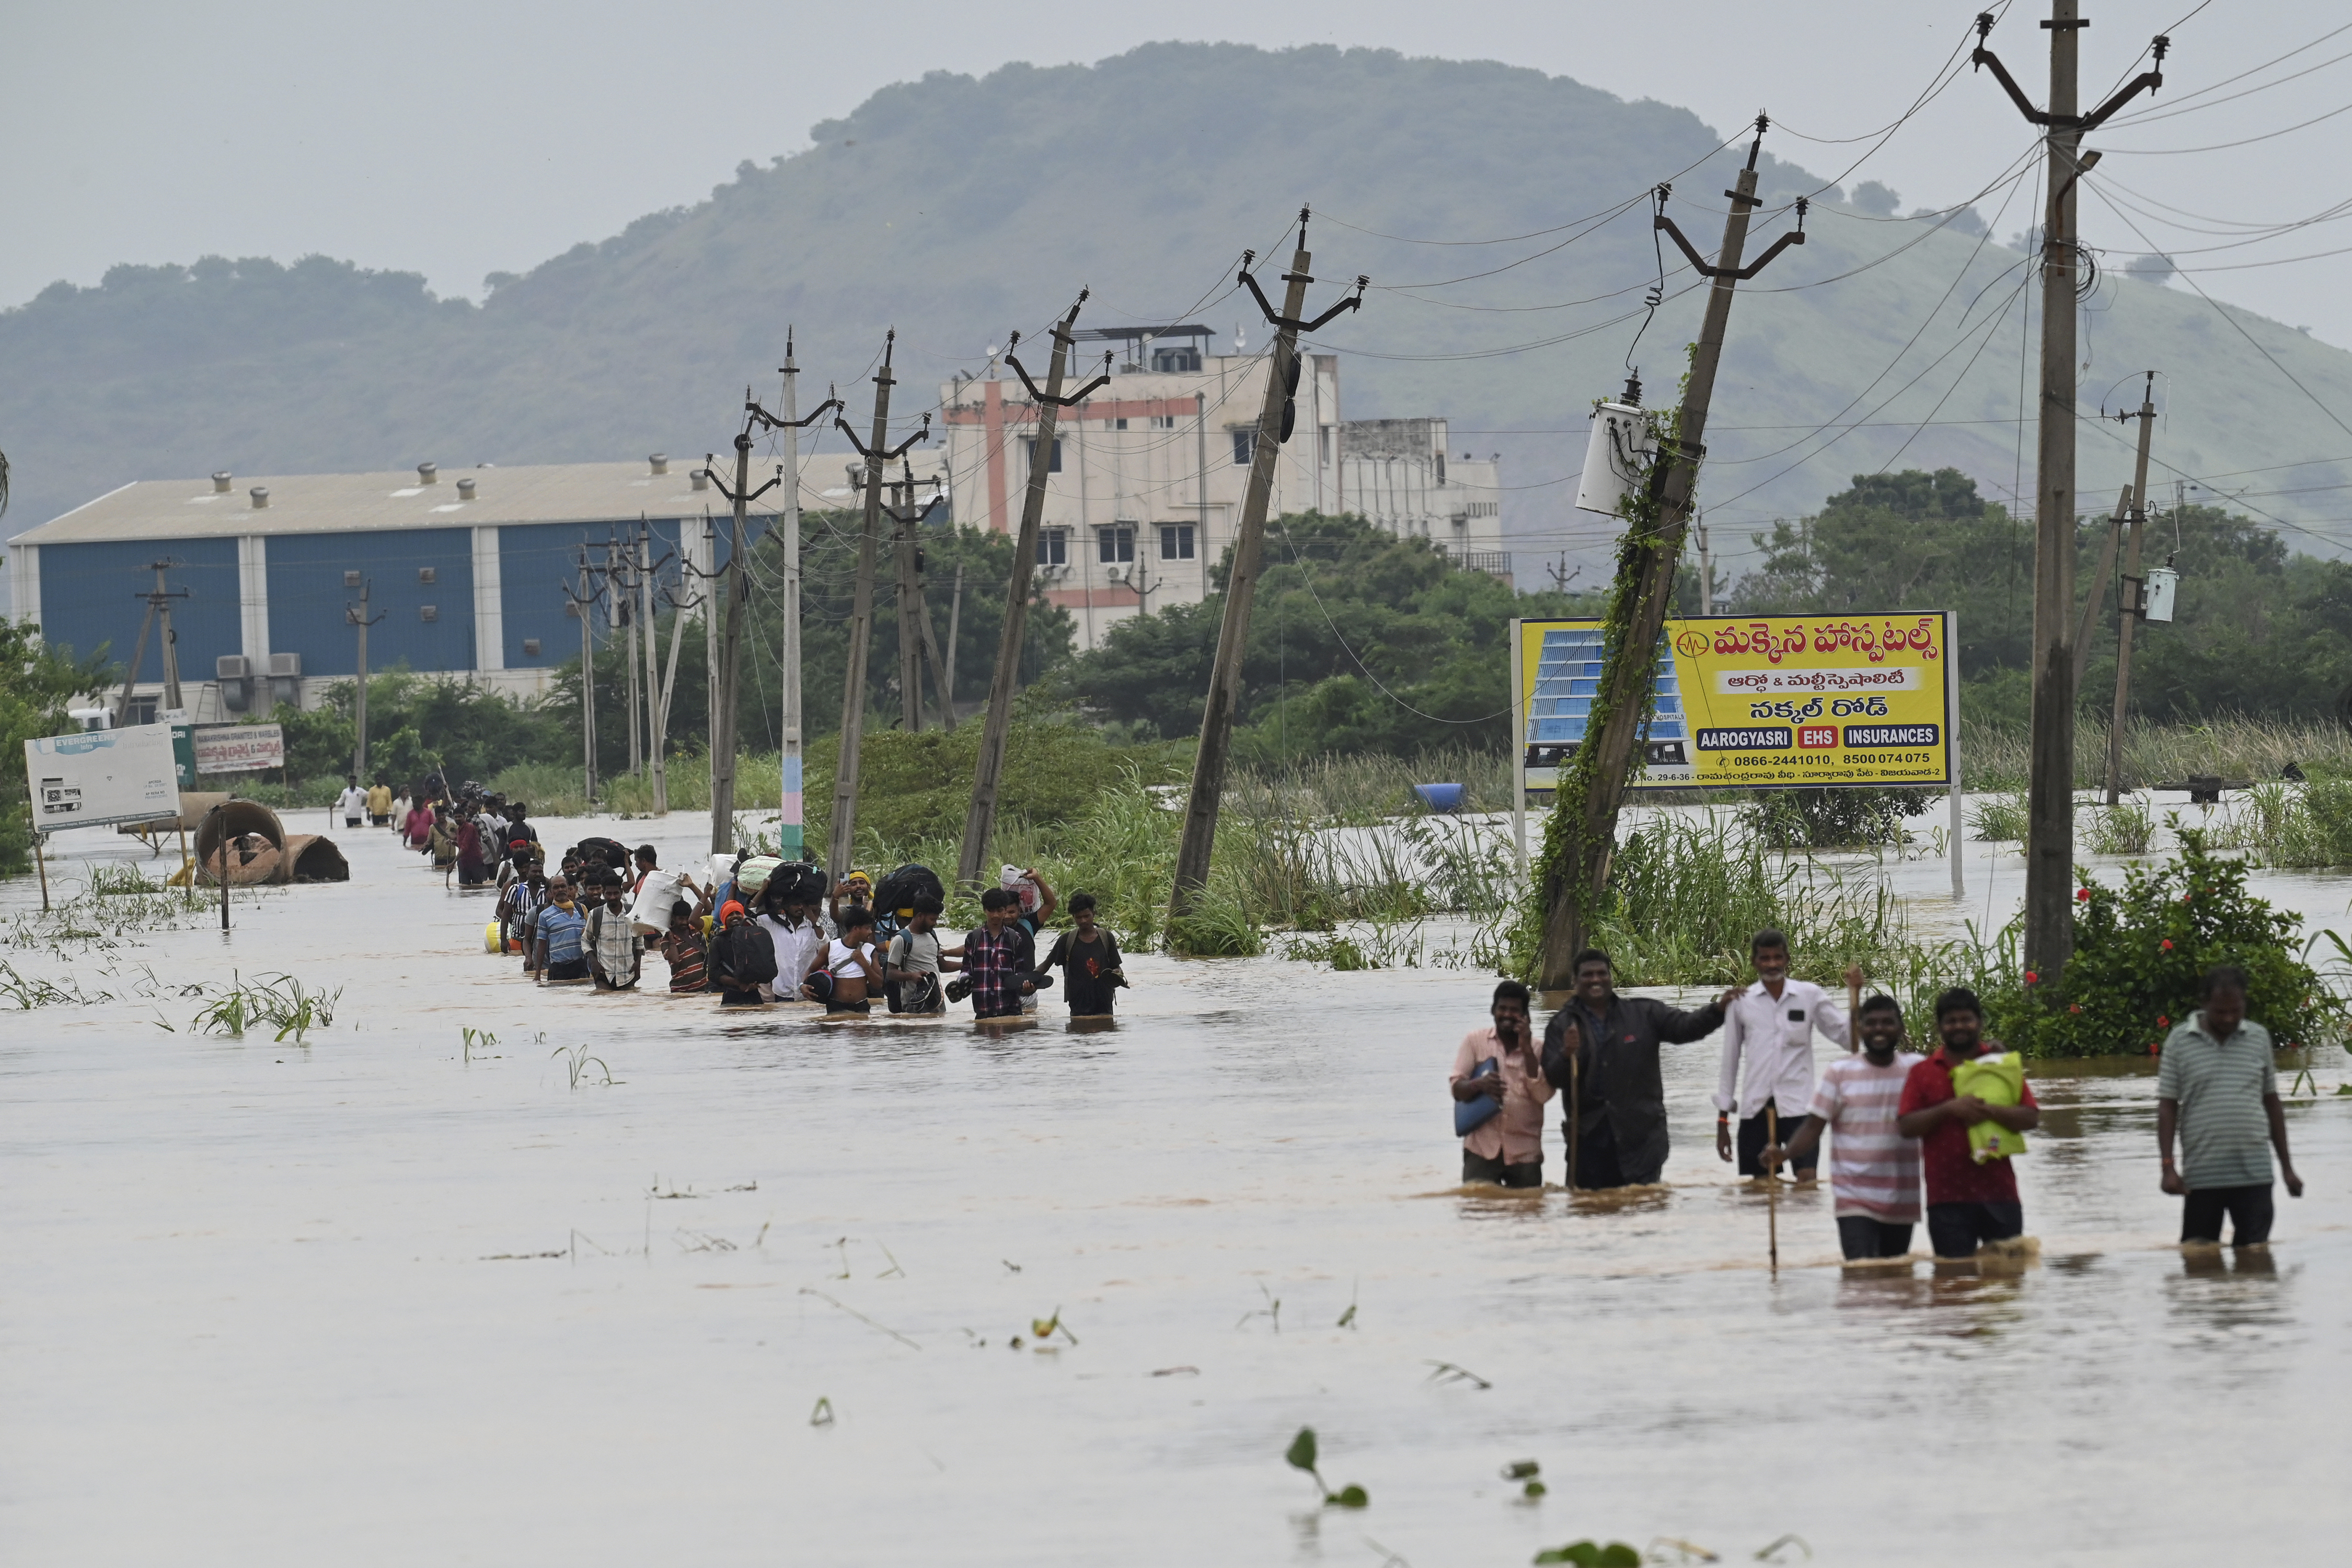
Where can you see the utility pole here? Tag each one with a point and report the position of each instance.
(1276, 418)
(1705, 572)
(1589, 799)
(727, 687)
(619, 561)
(1563, 575)
(916, 648)
(159, 608)
(357, 617)
(792, 818)
(948, 665)
(988, 768)
(641, 567)
(583, 604)
(2133, 602)
(2049, 793)
(844, 824)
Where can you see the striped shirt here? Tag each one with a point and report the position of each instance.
(1874, 1169)
(2221, 1086)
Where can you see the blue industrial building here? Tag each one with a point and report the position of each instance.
(467, 571)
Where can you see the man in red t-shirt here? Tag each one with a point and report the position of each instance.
(1969, 1203)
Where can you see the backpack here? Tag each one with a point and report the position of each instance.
(897, 893)
(745, 957)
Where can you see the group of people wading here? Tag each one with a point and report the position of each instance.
(1953, 1119)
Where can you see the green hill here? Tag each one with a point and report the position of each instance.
(957, 208)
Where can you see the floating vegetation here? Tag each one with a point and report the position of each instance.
(1524, 1472)
(1301, 1456)
(1592, 1554)
(1999, 820)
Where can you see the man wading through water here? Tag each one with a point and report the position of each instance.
(1620, 1098)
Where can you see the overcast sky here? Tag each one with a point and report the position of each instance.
(461, 139)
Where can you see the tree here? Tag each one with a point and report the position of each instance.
(37, 684)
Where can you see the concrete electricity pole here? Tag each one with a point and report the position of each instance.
(2134, 601)
(583, 604)
(2132, 496)
(1646, 562)
(2049, 793)
(357, 615)
(159, 609)
(731, 641)
(914, 616)
(791, 817)
(988, 768)
(1276, 418)
(843, 836)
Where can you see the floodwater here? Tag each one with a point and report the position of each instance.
(363, 1301)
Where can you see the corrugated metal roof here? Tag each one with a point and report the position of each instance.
(333, 503)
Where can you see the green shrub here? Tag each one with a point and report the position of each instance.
(1832, 818)
(1999, 820)
(2140, 957)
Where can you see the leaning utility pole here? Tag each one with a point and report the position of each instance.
(1275, 417)
(173, 701)
(979, 818)
(844, 824)
(948, 665)
(2049, 793)
(2133, 602)
(1646, 562)
(730, 643)
(357, 617)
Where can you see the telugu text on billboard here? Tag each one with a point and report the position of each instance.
(239, 748)
(94, 777)
(1757, 702)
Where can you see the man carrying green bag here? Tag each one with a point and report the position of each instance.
(1970, 1200)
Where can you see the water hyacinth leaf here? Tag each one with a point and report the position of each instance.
(1349, 1497)
(1302, 1450)
(1533, 1490)
(1521, 1470)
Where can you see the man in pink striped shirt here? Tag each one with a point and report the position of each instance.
(1874, 1169)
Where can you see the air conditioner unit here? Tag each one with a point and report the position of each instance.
(232, 667)
(282, 665)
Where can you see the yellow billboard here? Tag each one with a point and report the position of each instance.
(1756, 701)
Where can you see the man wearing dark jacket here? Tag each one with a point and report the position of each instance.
(1619, 1096)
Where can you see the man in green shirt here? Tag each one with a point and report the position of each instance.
(2217, 1091)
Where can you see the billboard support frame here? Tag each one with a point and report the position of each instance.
(1518, 749)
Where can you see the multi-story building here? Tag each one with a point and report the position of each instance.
(1145, 480)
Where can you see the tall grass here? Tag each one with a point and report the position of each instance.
(2292, 826)
(2229, 746)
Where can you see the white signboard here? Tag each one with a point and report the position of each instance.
(100, 776)
(239, 748)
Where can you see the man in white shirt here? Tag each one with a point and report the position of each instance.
(799, 941)
(353, 801)
(1769, 1028)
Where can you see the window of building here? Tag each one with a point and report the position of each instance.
(425, 574)
(1113, 546)
(530, 648)
(1164, 422)
(429, 612)
(1053, 462)
(1175, 542)
(1176, 360)
(1053, 547)
(1118, 424)
(1244, 448)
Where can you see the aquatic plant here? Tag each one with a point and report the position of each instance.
(1592, 1554)
(1524, 1472)
(1301, 1456)
(30, 991)
(2291, 826)
(2127, 827)
(576, 1060)
(2000, 820)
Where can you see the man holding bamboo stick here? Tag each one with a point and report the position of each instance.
(1605, 1047)
(1769, 1027)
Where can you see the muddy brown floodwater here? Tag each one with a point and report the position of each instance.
(363, 1301)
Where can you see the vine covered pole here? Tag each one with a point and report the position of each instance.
(979, 818)
(1274, 421)
(2050, 792)
(1582, 834)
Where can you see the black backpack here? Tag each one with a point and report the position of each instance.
(746, 956)
(901, 887)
